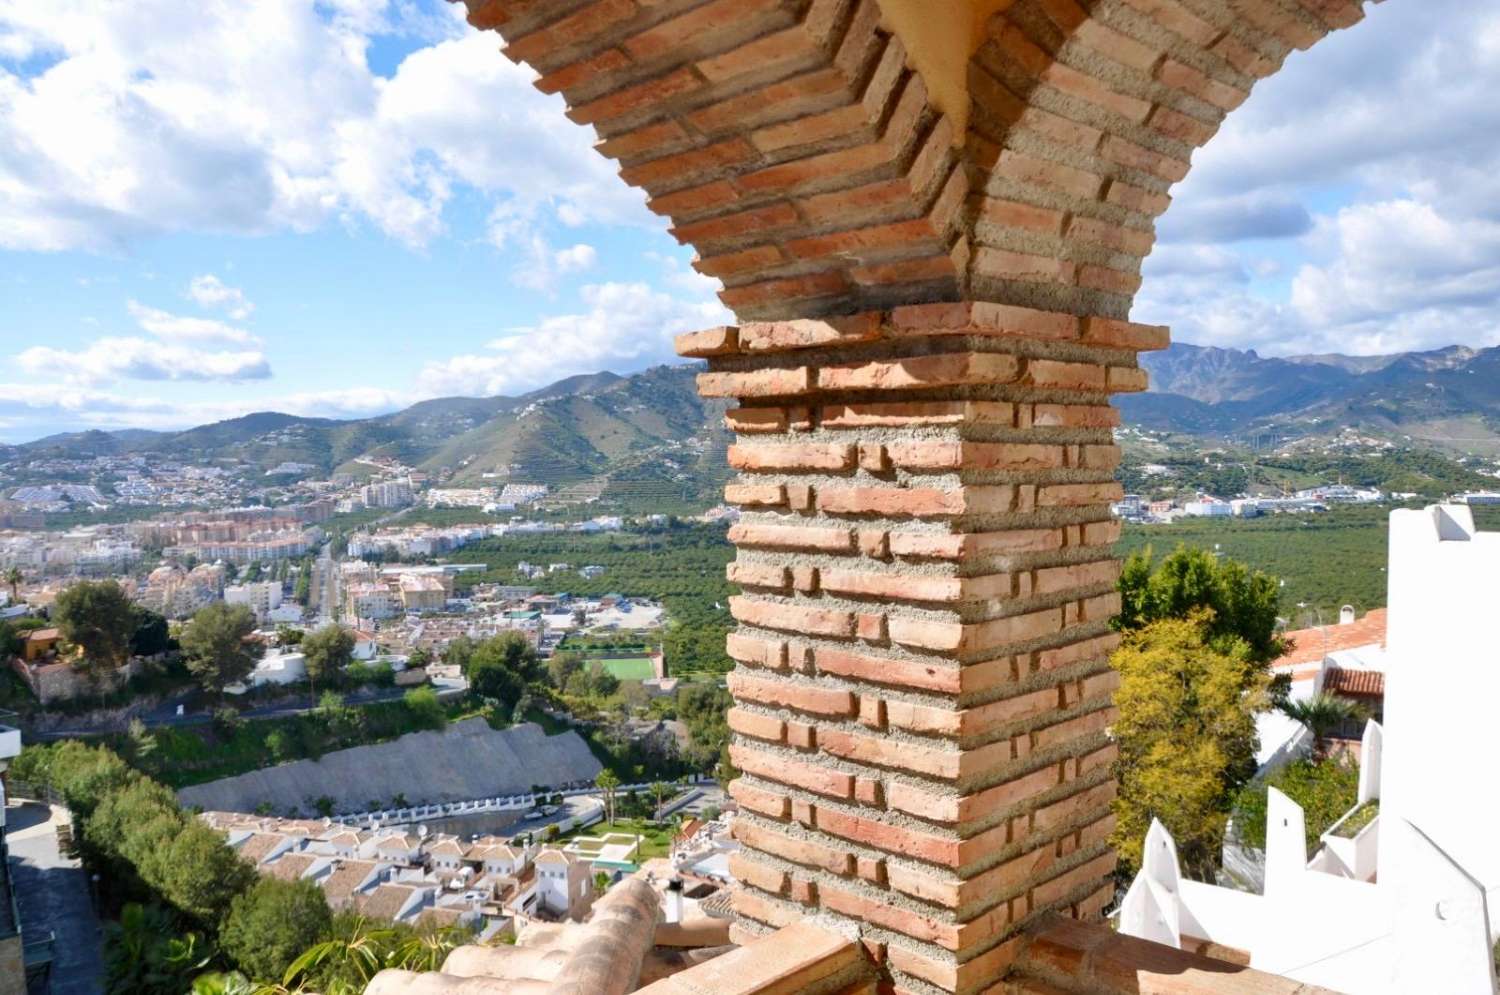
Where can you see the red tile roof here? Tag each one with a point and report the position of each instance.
(1312, 645)
(1366, 682)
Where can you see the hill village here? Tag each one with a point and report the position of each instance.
(993, 672)
(382, 829)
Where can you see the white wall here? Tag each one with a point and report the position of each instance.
(1442, 691)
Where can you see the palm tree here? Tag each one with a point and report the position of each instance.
(1320, 715)
(658, 789)
(607, 782)
(13, 578)
(357, 951)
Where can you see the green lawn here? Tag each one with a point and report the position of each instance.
(656, 841)
(628, 668)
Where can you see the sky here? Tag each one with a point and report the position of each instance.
(340, 207)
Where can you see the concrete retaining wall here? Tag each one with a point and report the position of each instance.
(467, 760)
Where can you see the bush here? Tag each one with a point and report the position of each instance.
(1325, 789)
(425, 709)
(271, 924)
(280, 745)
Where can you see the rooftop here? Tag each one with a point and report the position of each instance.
(1310, 646)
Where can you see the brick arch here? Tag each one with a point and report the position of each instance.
(787, 140)
(1086, 114)
(932, 261)
(796, 146)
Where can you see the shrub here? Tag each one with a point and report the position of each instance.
(1325, 789)
(270, 925)
(425, 709)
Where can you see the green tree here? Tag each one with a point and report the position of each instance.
(145, 953)
(602, 681)
(97, 617)
(1186, 736)
(201, 875)
(458, 652)
(608, 783)
(302, 590)
(562, 667)
(11, 641)
(419, 658)
(659, 790)
(216, 644)
(1243, 603)
(1320, 715)
(327, 651)
(501, 667)
(151, 634)
(270, 926)
(13, 579)
(280, 746)
(425, 708)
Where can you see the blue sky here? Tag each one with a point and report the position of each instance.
(338, 208)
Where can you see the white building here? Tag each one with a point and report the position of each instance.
(278, 668)
(1208, 508)
(373, 602)
(1401, 903)
(263, 597)
(563, 884)
(387, 494)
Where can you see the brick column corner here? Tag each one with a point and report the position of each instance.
(923, 689)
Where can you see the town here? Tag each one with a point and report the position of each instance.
(714, 497)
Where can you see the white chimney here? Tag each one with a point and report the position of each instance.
(674, 900)
(1346, 615)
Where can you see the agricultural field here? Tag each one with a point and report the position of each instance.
(1324, 561)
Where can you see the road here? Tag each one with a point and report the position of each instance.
(53, 894)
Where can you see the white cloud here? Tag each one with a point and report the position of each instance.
(182, 348)
(540, 267)
(107, 360)
(1372, 163)
(626, 327)
(159, 117)
(576, 258)
(211, 292)
(25, 405)
(181, 328)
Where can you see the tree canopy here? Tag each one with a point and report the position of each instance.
(1243, 602)
(501, 667)
(98, 618)
(1186, 734)
(270, 925)
(327, 651)
(215, 642)
(151, 634)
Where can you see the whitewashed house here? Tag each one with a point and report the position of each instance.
(1399, 902)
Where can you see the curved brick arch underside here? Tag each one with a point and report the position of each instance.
(929, 216)
(795, 145)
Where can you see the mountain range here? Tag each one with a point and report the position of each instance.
(1449, 398)
(648, 437)
(639, 439)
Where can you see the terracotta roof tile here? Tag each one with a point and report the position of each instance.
(1366, 682)
(259, 845)
(385, 901)
(1312, 645)
(289, 866)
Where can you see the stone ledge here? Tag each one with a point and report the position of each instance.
(978, 318)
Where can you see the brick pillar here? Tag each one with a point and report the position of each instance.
(923, 688)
